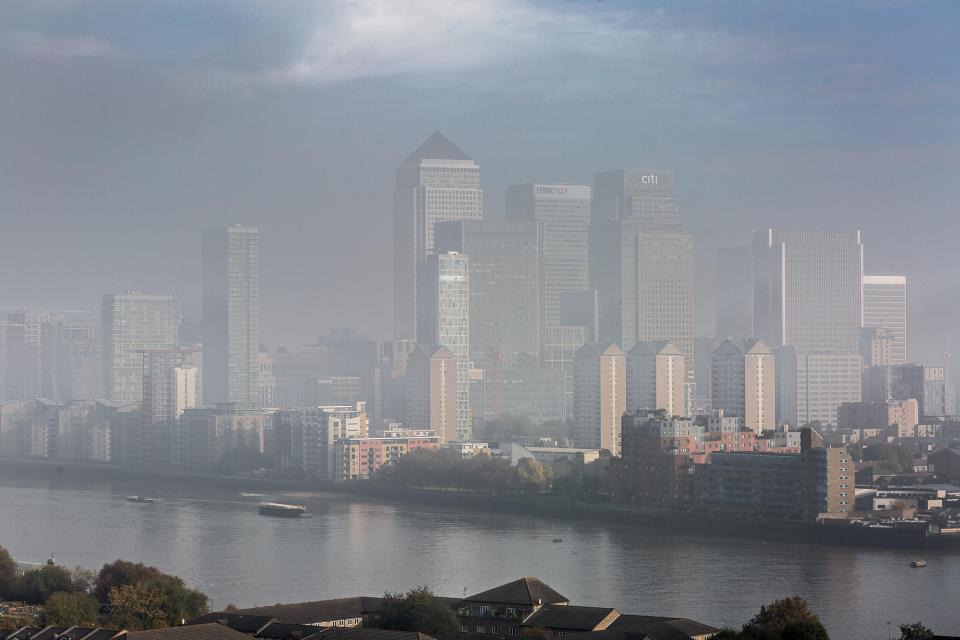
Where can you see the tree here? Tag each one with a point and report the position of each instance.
(788, 619)
(242, 460)
(178, 602)
(532, 475)
(8, 574)
(419, 610)
(915, 631)
(66, 609)
(136, 607)
(38, 585)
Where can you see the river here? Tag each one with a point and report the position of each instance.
(214, 539)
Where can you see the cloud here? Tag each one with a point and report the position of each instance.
(33, 44)
(368, 38)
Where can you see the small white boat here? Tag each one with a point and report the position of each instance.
(918, 564)
(142, 499)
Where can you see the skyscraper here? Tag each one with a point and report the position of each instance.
(807, 288)
(564, 212)
(443, 318)
(506, 286)
(743, 382)
(808, 305)
(885, 307)
(231, 314)
(436, 182)
(642, 260)
(599, 395)
(132, 324)
(29, 374)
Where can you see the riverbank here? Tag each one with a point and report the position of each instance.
(544, 506)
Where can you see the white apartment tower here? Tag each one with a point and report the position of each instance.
(742, 382)
(656, 377)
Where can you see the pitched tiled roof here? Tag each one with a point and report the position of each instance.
(356, 633)
(525, 591)
(649, 628)
(285, 630)
(572, 618)
(208, 631)
(242, 622)
(315, 611)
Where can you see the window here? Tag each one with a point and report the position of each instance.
(464, 629)
(511, 612)
(495, 630)
(481, 628)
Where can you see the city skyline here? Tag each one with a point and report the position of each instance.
(751, 150)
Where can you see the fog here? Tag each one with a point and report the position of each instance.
(127, 129)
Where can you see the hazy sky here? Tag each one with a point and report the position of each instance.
(126, 127)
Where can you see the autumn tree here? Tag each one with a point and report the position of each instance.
(136, 607)
(178, 602)
(66, 609)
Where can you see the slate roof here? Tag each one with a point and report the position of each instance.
(314, 611)
(208, 631)
(244, 623)
(283, 630)
(525, 591)
(48, 633)
(631, 627)
(356, 633)
(571, 618)
(436, 147)
(101, 634)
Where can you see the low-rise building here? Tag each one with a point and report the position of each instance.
(363, 458)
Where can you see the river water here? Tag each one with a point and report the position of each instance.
(214, 539)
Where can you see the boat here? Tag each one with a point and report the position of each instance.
(142, 499)
(279, 510)
(558, 539)
(918, 564)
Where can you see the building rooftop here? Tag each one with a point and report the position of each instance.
(525, 591)
(208, 631)
(311, 612)
(572, 618)
(436, 147)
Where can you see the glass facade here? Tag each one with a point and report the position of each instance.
(437, 182)
(443, 318)
(885, 307)
(231, 314)
(564, 212)
(132, 324)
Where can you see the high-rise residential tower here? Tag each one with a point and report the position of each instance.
(231, 314)
(134, 323)
(743, 384)
(436, 182)
(642, 260)
(599, 395)
(431, 391)
(564, 212)
(885, 307)
(443, 318)
(656, 378)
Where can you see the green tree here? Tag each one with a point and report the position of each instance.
(8, 574)
(65, 609)
(136, 607)
(38, 585)
(788, 619)
(915, 631)
(419, 610)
